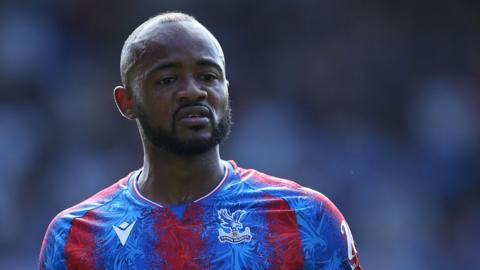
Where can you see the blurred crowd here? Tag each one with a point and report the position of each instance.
(376, 104)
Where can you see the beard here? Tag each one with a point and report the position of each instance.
(169, 141)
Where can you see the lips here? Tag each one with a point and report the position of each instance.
(193, 115)
(193, 111)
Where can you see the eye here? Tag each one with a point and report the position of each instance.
(208, 77)
(166, 81)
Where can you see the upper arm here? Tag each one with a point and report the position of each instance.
(327, 241)
(52, 250)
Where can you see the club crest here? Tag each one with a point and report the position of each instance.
(231, 222)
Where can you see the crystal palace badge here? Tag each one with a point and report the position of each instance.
(231, 222)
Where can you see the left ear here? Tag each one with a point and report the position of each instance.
(124, 102)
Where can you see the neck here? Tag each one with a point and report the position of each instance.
(168, 178)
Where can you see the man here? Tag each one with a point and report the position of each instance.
(186, 208)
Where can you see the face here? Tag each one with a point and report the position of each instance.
(179, 89)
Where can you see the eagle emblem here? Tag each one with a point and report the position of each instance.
(231, 222)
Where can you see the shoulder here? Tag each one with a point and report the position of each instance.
(303, 200)
(57, 233)
(262, 179)
(327, 241)
(280, 187)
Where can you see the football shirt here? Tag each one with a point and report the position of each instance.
(249, 221)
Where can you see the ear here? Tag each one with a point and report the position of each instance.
(124, 102)
(228, 83)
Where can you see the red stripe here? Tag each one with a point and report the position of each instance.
(180, 242)
(80, 245)
(283, 235)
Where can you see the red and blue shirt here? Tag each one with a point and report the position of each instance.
(249, 221)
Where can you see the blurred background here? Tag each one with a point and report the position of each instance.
(374, 103)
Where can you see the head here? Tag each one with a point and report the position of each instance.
(174, 85)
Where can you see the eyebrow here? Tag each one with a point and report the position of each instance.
(168, 65)
(207, 62)
(163, 66)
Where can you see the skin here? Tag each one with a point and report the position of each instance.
(178, 63)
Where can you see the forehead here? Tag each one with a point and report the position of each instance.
(183, 42)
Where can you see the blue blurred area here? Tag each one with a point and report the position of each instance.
(375, 104)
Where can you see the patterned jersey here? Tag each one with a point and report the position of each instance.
(249, 221)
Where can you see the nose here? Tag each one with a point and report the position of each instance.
(191, 91)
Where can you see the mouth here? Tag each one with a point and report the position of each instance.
(193, 115)
(196, 115)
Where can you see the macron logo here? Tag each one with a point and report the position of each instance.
(123, 231)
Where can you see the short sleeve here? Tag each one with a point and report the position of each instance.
(327, 240)
(52, 250)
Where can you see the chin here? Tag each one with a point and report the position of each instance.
(193, 138)
(192, 148)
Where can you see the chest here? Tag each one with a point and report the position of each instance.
(233, 236)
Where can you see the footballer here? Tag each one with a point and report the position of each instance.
(186, 207)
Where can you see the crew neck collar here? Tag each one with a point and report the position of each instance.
(134, 189)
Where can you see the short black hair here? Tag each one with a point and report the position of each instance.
(129, 53)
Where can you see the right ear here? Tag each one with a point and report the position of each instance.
(124, 102)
